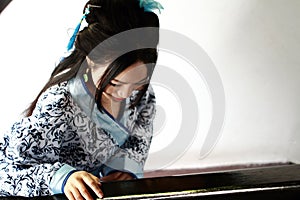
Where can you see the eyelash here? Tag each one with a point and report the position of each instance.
(116, 85)
(112, 84)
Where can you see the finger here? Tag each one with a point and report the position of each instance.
(111, 177)
(121, 176)
(69, 195)
(94, 184)
(76, 194)
(84, 192)
(108, 178)
(124, 177)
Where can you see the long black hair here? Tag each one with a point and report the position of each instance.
(106, 19)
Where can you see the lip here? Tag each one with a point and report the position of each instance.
(117, 99)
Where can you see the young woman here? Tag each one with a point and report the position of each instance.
(93, 119)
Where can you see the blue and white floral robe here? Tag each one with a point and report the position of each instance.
(66, 133)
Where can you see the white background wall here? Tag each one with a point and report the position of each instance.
(254, 45)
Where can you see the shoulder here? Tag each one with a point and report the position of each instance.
(56, 91)
(55, 97)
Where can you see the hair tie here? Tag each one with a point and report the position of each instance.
(150, 5)
(76, 30)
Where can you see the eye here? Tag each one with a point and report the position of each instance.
(113, 84)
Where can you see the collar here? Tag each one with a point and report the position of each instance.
(104, 120)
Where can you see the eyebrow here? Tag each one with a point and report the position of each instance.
(144, 79)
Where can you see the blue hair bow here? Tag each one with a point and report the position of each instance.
(150, 5)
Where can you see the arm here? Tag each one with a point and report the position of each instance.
(29, 182)
(29, 153)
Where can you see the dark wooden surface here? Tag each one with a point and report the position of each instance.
(276, 182)
(234, 184)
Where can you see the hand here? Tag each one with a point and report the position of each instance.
(77, 183)
(117, 176)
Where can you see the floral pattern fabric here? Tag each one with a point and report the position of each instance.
(59, 132)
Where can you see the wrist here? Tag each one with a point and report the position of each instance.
(56, 183)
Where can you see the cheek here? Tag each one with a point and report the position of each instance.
(109, 89)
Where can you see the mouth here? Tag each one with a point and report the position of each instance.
(117, 99)
(111, 97)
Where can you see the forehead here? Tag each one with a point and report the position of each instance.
(134, 73)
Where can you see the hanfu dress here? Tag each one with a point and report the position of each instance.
(67, 132)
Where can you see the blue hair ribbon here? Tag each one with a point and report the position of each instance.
(76, 30)
(150, 5)
(73, 37)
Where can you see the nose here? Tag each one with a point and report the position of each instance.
(125, 91)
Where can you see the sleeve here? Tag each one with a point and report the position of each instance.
(131, 156)
(29, 152)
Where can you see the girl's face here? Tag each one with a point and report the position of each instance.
(132, 78)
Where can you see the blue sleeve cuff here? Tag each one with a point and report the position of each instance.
(65, 180)
(59, 179)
